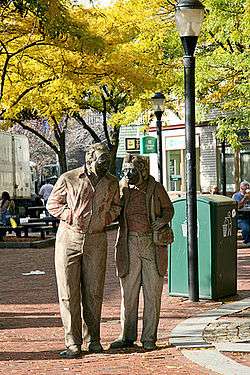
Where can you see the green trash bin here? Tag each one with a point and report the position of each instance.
(217, 248)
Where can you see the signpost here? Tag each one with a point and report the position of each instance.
(148, 145)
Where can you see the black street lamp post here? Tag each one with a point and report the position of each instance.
(223, 172)
(158, 107)
(189, 16)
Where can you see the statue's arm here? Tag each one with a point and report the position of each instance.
(167, 209)
(57, 202)
(115, 206)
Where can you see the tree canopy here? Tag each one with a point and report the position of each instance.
(224, 60)
(222, 73)
(57, 58)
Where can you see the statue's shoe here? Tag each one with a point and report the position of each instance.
(95, 347)
(72, 351)
(149, 345)
(121, 344)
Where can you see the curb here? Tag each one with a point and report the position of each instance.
(188, 335)
(217, 362)
(28, 244)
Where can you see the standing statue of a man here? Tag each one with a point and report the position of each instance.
(141, 250)
(85, 200)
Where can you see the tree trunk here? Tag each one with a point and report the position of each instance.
(62, 158)
(62, 161)
(114, 148)
(60, 136)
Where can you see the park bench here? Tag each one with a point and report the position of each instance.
(25, 228)
(47, 219)
(39, 227)
(4, 229)
(35, 211)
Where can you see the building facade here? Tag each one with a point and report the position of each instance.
(208, 157)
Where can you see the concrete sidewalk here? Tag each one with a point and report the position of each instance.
(229, 336)
(31, 333)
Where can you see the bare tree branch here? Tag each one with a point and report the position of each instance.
(217, 41)
(82, 122)
(230, 45)
(25, 92)
(10, 55)
(240, 47)
(7, 42)
(36, 43)
(56, 130)
(170, 2)
(38, 134)
(39, 84)
(4, 71)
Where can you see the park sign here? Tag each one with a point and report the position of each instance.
(148, 145)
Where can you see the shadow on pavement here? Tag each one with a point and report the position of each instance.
(29, 320)
(54, 354)
(29, 356)
(137, 349)
(239, 296)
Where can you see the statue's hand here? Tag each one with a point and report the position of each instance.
(158, 223)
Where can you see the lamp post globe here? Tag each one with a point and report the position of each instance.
(158, 101)
(189, 16)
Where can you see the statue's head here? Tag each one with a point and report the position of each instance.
(135, 169)
(98, 159)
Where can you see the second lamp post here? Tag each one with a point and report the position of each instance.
(158, 106)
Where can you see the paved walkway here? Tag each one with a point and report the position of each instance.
(31, 334)
(223, 336)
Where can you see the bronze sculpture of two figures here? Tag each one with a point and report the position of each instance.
(86, 200)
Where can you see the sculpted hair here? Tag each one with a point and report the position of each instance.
(139, 162)
(90, 154)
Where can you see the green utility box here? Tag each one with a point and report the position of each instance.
(217, 248)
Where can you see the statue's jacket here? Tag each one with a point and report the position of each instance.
(162, 207)
(82, 207)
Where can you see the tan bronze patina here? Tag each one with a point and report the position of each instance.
(85, 200)
(146, 208)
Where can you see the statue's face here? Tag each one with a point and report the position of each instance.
(100, 165)
(135, 169)
(131, 174)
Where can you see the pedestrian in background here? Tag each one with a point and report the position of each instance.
(7, 208)
(242, 197)
(215, 190)
(45, 192)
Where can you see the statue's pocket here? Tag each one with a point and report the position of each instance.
(164, 236)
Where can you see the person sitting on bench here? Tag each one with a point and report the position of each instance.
(243, 199)
(7, 208)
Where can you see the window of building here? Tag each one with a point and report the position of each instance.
(176, 171)
(244, 167)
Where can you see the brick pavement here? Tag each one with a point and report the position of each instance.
(31, 334)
